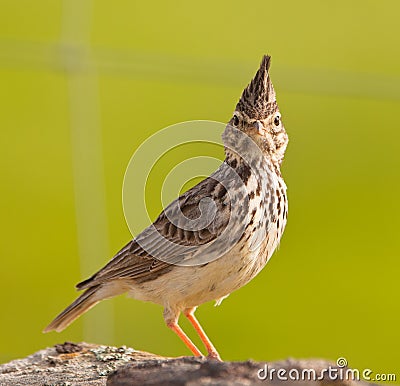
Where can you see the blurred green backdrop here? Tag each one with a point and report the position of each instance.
(84, 83)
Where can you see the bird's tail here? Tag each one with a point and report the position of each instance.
(86, 301)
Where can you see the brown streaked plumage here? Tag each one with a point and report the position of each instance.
(214, 238)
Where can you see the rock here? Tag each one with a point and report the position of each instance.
(192, 371)
(71, 364)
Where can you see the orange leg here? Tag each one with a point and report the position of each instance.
(212, 352)
(178, 331)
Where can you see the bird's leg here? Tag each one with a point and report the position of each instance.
(174, 326)
(212, 352)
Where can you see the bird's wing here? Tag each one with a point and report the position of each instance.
(185, 233)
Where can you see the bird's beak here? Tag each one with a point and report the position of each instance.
(259, 127)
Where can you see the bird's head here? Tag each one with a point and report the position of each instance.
(257, 115)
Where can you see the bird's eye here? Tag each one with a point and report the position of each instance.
(235, 120)
(277, 120)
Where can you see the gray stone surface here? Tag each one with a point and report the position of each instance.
(71, 364)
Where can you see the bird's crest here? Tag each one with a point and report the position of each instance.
(258, 98)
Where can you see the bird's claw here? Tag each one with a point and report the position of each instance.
(214, 356)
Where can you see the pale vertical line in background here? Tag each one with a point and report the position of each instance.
(89, 184)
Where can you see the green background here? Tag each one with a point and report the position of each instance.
(83, 84)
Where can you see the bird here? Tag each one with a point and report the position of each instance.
(215, 237)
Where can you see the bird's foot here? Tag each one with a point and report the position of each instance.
(214, 356)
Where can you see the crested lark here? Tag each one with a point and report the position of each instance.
(214, 238)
